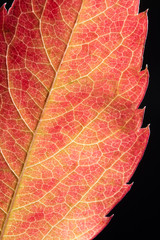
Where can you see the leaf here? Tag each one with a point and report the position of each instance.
(70, 135)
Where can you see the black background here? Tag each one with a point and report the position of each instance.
(137, 215)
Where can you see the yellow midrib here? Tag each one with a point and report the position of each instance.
(4, 228)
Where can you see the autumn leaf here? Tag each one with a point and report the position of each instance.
(70, 128)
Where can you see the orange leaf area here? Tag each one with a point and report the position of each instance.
(70, 127)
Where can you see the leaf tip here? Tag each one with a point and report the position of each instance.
(148, 127)
(3, 8)
(146, 66)
(143, 110)
(111, 216)
(146, 11)
(146, 133)
(129, 185)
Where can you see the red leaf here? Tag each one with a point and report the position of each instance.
(70, 135)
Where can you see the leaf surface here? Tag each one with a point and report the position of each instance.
(70, 127)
